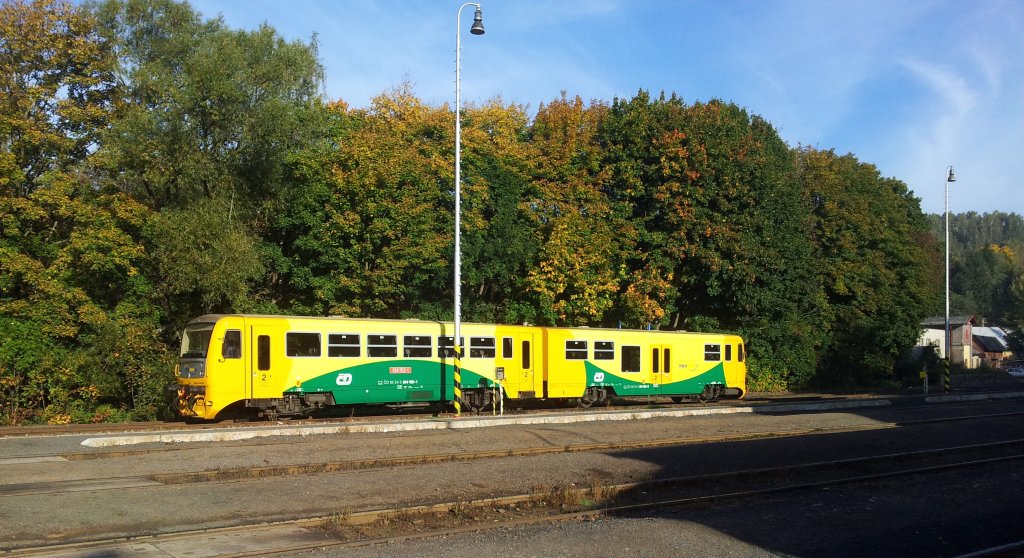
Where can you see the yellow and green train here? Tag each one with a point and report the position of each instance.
(291, 366)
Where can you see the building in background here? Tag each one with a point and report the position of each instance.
(991, 346)
(961, 331)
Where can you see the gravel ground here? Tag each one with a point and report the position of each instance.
(939, 515)
(64, 515)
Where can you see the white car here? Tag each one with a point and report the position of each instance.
(1016, 371)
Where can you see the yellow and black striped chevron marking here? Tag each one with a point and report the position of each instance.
(457, 380)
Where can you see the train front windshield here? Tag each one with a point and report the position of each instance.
(195, 342)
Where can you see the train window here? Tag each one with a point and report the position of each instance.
(196, 340)
(728, 352)
(232, 347)
(382, 346)
(526, 355)
(630, 358)
(604, 350)
(263, 352)
(417, 346)
(741, 352)
(301, 344)
(343, 345)
(576, 350)
(444, 346)
(654, 360)
(506, 347)
(713, 352)
(667, 363)
(481, 347)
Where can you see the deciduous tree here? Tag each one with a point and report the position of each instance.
(869, 241)
(55, 82)
(204, 111)
(575, 281)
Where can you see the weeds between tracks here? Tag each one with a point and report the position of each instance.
(542, 501)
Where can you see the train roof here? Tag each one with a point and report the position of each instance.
(215, 317)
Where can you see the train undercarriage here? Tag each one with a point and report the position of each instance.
(475, 400)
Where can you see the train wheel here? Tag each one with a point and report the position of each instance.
(710, 393)
(475, 400)
(591, 396)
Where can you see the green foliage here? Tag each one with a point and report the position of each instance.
(26, 356)
(575, 279)
(1015, 313)
(766, 379)
(368, 233)
(71, 261)
(71, 290)
(971, 232)
(719, 224)
(500, 243)
(55, 84)
(980, 283)
(986, 255)
(203, 111)
(206, 259)
(874, 268)
(155, 166)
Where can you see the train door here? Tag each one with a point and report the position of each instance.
(526, 366)
(265, 360)
(229, 374)
(516, 362)
(661, 367)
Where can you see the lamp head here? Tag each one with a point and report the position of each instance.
(478, 23)
(951, 177)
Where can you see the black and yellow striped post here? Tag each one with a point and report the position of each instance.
(945, 374)
(457, 379)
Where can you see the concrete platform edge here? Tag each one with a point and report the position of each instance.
(463, 422)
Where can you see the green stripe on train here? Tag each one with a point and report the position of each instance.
(626, 387)
(390, 381)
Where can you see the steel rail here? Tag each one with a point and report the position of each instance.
(611, 510)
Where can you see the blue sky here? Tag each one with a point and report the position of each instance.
(911, 86)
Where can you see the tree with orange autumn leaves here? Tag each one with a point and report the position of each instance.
(720, 221)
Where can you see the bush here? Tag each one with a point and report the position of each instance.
(764, 378)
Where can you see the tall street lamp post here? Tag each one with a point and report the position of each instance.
(950, 177)
(476, 29)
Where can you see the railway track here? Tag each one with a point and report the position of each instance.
(576, 503)
(573, 474)
(554, 504)
(258, 472)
